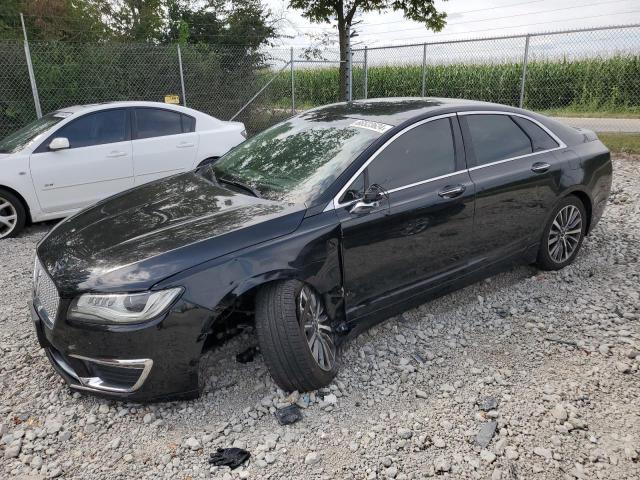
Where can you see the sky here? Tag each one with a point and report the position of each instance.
(466, 19)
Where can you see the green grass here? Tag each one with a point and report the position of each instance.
(631, 112)
(621, 142)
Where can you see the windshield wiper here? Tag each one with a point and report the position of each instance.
(241, 185)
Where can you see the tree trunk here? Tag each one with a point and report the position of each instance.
(344, 41)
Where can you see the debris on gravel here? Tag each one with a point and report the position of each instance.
(527, 374)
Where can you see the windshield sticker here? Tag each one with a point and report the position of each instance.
(369, 125)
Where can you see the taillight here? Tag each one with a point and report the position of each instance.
(244, 133)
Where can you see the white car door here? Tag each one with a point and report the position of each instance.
(97, 164)
(164, 143)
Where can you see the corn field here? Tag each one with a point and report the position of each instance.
(588, 85)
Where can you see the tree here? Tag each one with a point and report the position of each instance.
(140, 20)
(344, 11)
(45, 20)
(220, 22)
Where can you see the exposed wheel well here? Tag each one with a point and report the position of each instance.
(586, 201)
(206, 161)
(22, 200)
(232, 319)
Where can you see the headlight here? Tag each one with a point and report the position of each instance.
(121, 308)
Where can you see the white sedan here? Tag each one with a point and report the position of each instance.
(75, 156)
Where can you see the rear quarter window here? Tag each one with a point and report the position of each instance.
(540, 139)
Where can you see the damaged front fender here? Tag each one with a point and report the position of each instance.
(311, 254)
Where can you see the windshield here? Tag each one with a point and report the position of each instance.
(296, 160)
(20, 139)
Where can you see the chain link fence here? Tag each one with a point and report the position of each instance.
(590, 78)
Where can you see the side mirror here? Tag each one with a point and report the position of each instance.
(369, 202)
(362, 207)
(373, 194)
(59, 143)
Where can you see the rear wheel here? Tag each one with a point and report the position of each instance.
(563, 235)
(12, 215)
(295, 335)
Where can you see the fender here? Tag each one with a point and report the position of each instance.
(311, 254)
(15, 176)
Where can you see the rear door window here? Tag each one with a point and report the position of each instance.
(496, 137)
(422, 153)
(157, 122)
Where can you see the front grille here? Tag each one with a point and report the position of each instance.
(45, 295)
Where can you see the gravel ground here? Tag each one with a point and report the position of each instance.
(524, 375)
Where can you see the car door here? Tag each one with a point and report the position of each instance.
(164, 143)
(508, 175)
(96, 164)
(421, 229)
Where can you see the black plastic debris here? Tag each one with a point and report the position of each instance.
(229, 457)
(247, 355)
(488, 403)
(418, 358)
(288, 415)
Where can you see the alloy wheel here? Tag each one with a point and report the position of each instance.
(8, 217)
(315, 321)
(565, 234)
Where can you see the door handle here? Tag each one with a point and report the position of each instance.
(185, 145)
(540, 167)
(452, 191)
(116, 154)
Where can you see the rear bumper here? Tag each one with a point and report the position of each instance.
(151, 362)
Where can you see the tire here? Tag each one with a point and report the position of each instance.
(284, 344)
(563, 235)
(13, 215)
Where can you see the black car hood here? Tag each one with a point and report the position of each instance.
(137, 238)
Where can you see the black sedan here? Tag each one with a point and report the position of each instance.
(314, 229)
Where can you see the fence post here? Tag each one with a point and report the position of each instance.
(366, 72)
(424, 69)
(350, 74)
(293, 85)
(525, 60)
(184, 95)
(32, 77)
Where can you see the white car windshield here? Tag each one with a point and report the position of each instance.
(21, 138)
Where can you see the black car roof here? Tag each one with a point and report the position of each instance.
(395, 111)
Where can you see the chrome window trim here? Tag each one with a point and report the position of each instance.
(440, 177)
(497, 162)
(335, 202)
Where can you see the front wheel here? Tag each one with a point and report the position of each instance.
(12, 215)
(295, 335)
(563, 235)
